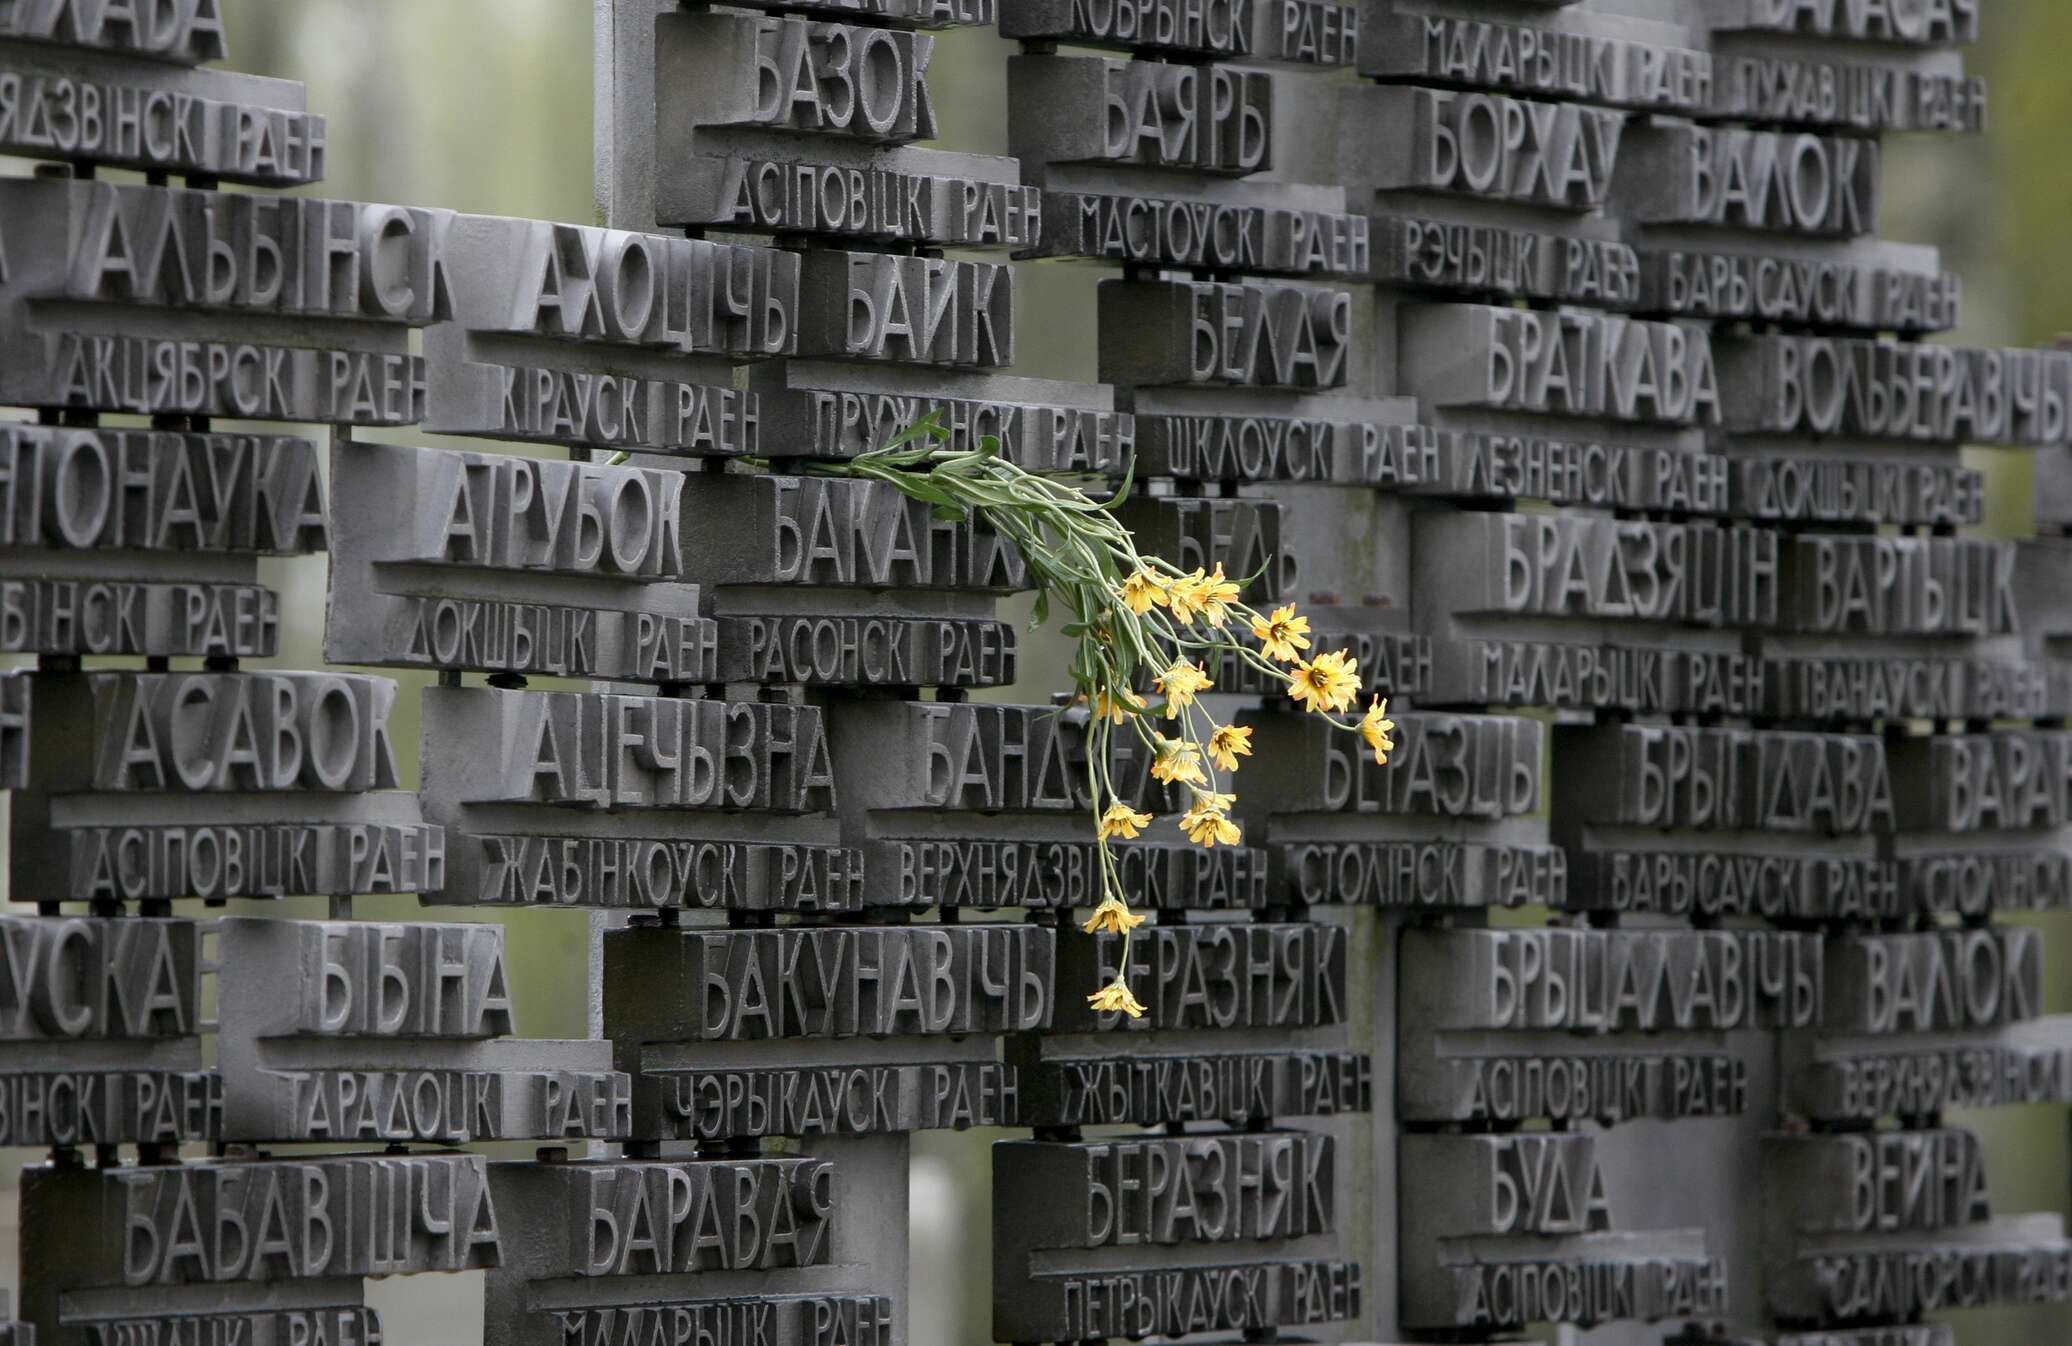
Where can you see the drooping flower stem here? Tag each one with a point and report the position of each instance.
(1134, 620)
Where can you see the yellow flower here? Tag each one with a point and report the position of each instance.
(1282, 636)
(1217, 594)
(1178, 761)
(1180, 684)
(1117, 705)
(1144, 591)
(1112, 915)
(1228, 744)
(1374, 728)
(1123, 821)
(1116, 996)
(1186, 596)
(1205, 824)
(1327, 682)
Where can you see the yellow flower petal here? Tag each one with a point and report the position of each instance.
(1178, 762)
(1184, 595)
(1229, 743)
(1328, 682)
(1144, 591)
(1114, 997)
(1180, 684)
(1283, 635)
(1206, 827)
(1117, 706)
(1122, 821)
(1217, 594)
(1112, 915)
(1376, 729)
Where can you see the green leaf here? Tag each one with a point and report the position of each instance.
(928, 427)
(920, 488)
(1042, 612)
(1122, 492)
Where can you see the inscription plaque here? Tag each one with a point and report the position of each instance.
(1256, 238)
(614, 1248)
(1206, 118)
(678, 1099)
(1736, 821)
(1540, 58)
(1315, 32)
(301, 766)
(815, 409)
(1892, 1223)
(1849, 386)
(1503, 1231)
(545, 804)
(1858, 1077)
(789, 559)
(1144, 1088)
(1905, 296)
(513, 565)
(129, 1241)
(187, 267)
(1219, 976)
(919, 310)
(1423, 252)
(1558, 155)
(837, 982)
(1934, 23)
(1566, 363)
(186, 32)
(1129, 1197)
(79, 507)
(1251, 334)
(100, 1034)
(1796, 183)
(1444, 824)
(157, 111)
(837, 533)
(394, 1033)
(1527, 1023)
(604, 338)
(201, 498)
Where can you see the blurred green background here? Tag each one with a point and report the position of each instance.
(485, 106)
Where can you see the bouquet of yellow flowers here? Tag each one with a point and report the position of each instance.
(1132, 618)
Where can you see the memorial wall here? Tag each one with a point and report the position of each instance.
(1541, 355)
